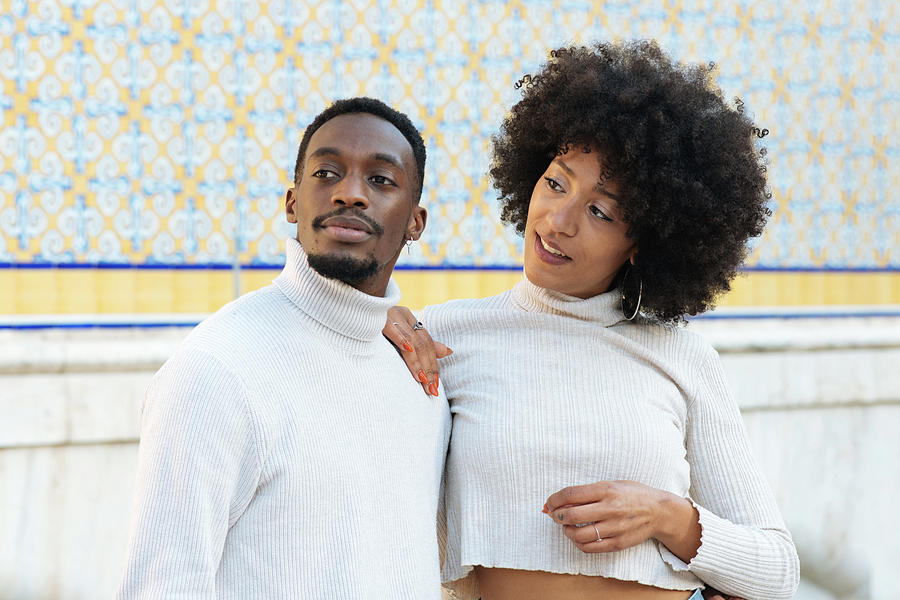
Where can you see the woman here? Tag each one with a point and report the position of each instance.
(636, 188)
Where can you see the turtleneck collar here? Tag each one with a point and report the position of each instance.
(337, 306)
(604, 309)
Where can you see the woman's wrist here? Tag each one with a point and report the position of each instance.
(678, 525)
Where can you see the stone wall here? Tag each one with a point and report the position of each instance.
(821, 400)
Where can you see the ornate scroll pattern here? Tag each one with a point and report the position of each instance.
(164, 131)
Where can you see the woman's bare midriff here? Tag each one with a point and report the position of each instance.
(514, 584)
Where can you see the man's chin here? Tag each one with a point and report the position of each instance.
(347, 268)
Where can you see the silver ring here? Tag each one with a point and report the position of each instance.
(597, 531)
(418, 326)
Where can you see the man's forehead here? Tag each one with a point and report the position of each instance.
(361, 133)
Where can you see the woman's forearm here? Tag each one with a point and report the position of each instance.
(679, 526)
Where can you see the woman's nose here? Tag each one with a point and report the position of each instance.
(562, 217)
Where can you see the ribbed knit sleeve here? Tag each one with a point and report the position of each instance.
(198, 469)
(745, 549)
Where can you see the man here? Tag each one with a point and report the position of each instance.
(285, 452)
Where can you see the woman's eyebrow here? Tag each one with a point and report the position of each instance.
(601, 189)
(564, 166)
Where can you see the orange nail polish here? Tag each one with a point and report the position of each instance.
(437, 380)
(422, 378)
(545, 510)
(407, 347)
(433, 389)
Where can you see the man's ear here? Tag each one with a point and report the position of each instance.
(416, 222)
(290, 205)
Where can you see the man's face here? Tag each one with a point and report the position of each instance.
(354, 205)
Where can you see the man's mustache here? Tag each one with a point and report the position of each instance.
(348, 211)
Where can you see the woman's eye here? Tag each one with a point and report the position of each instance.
(598, 212)
(553, 184)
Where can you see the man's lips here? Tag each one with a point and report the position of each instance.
(548, 252)
(347, 223)
(347, 229)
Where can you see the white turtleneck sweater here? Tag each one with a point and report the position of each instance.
(549, 391)
(286, 453)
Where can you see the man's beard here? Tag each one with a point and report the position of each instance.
(349, 269)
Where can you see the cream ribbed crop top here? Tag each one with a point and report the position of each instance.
(548, 391)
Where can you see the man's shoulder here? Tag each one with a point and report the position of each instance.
(255, 313)
(215, 362)
(237, 334)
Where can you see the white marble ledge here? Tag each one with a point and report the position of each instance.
(87, 350)
(799, 334)
(146, 348)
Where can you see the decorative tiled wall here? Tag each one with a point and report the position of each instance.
(164, 132)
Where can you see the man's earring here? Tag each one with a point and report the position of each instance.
(408, 246)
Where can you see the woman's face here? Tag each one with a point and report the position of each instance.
(575, 238)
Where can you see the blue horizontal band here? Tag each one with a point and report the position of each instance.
(142, 325)
(440, 267)
(150, 324)
(800, 315)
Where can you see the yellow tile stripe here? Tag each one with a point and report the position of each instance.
(145, 291)
(108, 291)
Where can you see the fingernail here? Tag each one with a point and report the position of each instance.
(407, 347)
(422, 378)
(437, 380)
(545, 510)
(433, 389)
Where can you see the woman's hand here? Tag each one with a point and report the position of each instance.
(418, 350)
(609, 516)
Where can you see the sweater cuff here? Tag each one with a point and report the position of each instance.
(713, 538)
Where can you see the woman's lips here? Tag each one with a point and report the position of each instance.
(547, 256)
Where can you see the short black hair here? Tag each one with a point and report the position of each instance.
(692, 183)
(375, 107)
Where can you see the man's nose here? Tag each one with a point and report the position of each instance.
(351, 191)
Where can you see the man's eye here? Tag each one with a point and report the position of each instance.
(324, 174)
(381, 180)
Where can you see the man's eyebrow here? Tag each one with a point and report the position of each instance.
(388, 158)
(378, 156)
(325, 151)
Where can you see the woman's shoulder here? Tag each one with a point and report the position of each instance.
(675, 340)
(460, 312)
(461, 307)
